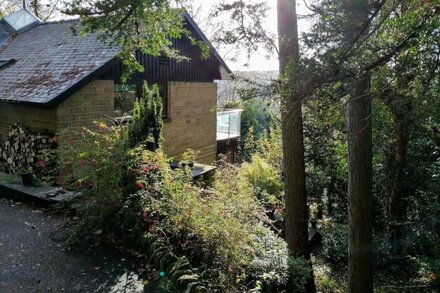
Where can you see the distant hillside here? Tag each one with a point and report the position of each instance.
(229, 90)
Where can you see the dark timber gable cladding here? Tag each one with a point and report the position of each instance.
(195, 69)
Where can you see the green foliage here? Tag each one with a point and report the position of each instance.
(270, 264)
(326, 153)
(299, 271)
(329, 284)
(264, 180)
(93, 163)
(130, 192)
(255, 121)
(434, 267)
(147, 26)
(393, 266)
(335, 245)
(147, 120)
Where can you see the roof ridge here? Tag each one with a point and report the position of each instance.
(48, 22)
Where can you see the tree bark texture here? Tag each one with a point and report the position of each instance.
(360, 216)
(397, 189)
(360, 204)
(400, 106)
(296, 218)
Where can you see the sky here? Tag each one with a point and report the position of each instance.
(258, 60)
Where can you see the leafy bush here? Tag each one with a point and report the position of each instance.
(434, 268)
(147, 119)
(270, 263)
(255, 120)
(335, 245)
(93, 162)
(299, 271)
(129, 192)
(264, 180)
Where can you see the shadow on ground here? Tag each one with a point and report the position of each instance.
(33, 258)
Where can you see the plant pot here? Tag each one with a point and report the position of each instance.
(27, 178)
(174, 165)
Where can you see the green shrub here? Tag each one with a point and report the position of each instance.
(335, 245)
(130, 192)
(93, 162)
(270, 263)
(299, 271)
(434, 270)
(264, 180)
(392, 266)
(147, 119)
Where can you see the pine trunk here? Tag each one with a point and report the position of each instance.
(360, 216)
(397, 189)
(296, 218)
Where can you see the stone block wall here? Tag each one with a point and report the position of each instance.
(37, 119)
(193, 121)
(90, 103)
(191, 111)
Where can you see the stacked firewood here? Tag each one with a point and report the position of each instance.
(24, 151)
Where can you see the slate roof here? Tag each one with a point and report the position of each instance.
(49, 61)
(45, 64)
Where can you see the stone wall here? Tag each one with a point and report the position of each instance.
(90, 103)
(192, 114)
(37, 118)
(192, 120)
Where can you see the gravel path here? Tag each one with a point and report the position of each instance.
(33, 258)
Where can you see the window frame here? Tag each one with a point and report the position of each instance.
(163, 84)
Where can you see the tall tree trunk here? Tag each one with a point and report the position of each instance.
(360, 216)
(400, 106)
(293, 146)
(397, 190)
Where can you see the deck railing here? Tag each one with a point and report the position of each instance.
(229, 124)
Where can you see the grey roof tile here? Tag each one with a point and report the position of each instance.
(49, 59)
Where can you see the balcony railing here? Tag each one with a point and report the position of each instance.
(228, 124)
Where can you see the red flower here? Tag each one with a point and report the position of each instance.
(140, 185)
(147, 169)
(144, 216)
(157, 166)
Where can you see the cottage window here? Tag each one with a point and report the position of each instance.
(125, 95)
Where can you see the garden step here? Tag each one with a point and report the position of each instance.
(11, 185)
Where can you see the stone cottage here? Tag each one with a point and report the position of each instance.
(52, 79)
